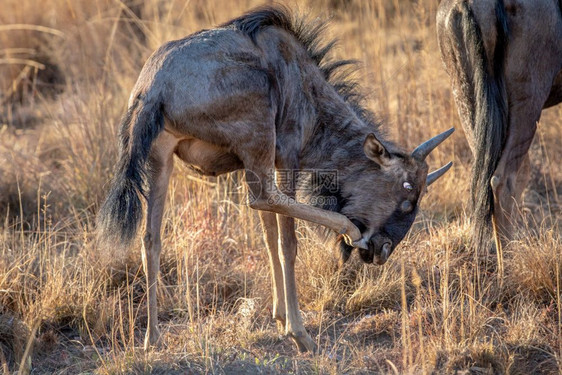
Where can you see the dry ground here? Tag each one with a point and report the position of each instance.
(66, 69)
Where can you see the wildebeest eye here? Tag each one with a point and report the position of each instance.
(407, 186)
(406, 206)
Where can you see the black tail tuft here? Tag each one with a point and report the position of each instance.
(120, 215)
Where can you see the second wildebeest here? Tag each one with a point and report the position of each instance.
(257, 94)
(504, 58)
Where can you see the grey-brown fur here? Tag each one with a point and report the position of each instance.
(504, 58)
(257, 94)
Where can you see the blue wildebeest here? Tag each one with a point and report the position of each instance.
(257, 94)
(504, 58)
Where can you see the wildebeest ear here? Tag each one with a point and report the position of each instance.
(375, 150)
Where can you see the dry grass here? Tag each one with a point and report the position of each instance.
(66, 69)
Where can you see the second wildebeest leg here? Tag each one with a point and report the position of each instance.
(268, 197)
(161, 165)
(288, 254)
(507, 181)
(512, 173)
(529, 86)
(271, 236)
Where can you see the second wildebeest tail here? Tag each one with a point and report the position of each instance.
(486, 92)
(120, 215)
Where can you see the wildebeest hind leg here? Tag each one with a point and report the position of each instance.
(161, 161)
(512, 172)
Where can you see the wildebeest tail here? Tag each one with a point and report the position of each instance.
(485, 93)
(120, 215)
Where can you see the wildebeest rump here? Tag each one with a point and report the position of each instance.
(258, 94)
(504, 58)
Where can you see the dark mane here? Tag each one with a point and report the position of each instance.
(309, 33)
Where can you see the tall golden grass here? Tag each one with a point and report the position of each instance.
(66, 307)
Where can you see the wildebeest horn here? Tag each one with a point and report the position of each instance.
(421, 152)
(433, 176)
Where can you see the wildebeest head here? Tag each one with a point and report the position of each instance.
(382, 199)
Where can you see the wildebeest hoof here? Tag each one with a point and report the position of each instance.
(281, 320)
(347, 239)
(385, 253)
(152, 339)
(361, 244)
(303, 341)
(352, 236)
(494, 182)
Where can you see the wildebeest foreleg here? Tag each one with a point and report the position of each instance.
(287, 254)
(267, 197)
(271, 236)
(283, 205)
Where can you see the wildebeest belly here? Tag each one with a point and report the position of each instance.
(555, 95)
(206, 158)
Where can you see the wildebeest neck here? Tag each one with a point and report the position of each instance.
(335, 143)
(333, 153)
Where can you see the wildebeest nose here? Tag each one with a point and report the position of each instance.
(380, 248)
(385, 252)
(382, 253)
